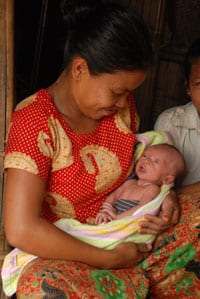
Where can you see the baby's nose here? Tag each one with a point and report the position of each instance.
(146, 160)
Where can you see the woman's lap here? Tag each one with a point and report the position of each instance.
(174, 266)
(61, 279)
(171, 271)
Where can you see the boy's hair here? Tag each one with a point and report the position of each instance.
(192, 54)
(109, 36)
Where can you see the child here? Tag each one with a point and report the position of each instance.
(183, 122)
(159, 165)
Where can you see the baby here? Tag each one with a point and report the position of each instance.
(159, 164)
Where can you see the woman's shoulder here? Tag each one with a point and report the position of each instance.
(38, 102)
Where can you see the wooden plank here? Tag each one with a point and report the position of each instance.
(2, 71)
(6, 103)
(10, 61)
(1, 194)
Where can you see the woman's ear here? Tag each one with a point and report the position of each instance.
(169, 179)
(79, 68)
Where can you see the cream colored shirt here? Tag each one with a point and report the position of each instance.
(183, 123)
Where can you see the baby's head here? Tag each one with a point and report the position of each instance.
(160, 164)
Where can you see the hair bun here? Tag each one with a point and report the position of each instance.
(75, 12)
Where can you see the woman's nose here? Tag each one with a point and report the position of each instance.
(121, 103)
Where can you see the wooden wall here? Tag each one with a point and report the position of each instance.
(6, 100)
(174, 25)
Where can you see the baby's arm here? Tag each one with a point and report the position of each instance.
(107, 211)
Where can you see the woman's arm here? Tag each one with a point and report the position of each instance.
(26, 230)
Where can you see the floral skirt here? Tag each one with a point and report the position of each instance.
(171, 271)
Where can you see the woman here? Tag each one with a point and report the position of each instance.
(71, 144)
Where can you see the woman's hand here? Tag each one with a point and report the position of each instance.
(128, 254)
(168, 216)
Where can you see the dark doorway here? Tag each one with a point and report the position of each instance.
(38, 45)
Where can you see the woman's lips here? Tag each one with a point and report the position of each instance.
(110, 111)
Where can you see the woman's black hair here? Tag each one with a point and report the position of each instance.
(107, 35)
(192, 54)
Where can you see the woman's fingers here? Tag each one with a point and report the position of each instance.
(129, 254)
(168, 216)
(153, 225)
(143, 247)
(170, 209)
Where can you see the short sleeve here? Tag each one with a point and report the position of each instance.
(164, 122)
(29, 145)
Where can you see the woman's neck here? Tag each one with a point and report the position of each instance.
(62, 96)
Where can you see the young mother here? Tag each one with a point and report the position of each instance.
(71, 144)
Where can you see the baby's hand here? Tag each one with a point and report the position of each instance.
(109, 209)
(102, 217)
(106, 214)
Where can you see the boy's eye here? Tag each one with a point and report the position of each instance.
(197, 83)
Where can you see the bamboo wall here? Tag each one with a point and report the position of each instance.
(6, 100)
(174, 26)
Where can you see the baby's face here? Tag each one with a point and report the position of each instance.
(194, 84)
(154, 165)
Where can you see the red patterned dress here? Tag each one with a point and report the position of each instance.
(78, 169)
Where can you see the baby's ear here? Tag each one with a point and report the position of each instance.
(169, 179)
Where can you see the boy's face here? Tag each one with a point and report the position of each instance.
(194, 84)
(155, 165)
